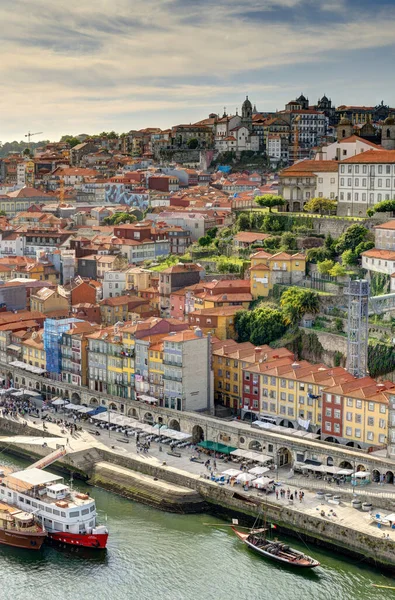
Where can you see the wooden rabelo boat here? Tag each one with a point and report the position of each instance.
(19, 529)
(274, 549)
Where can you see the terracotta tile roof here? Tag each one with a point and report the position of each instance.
(311, 166)
(225, 311)
(383, 254)
(356, 138)
(372, 156)
(387, 225)
(261, 254)
(250, 237)
(183, 336)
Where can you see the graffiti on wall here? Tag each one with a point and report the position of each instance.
(117, 193)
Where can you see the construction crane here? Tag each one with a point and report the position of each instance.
(29, 135)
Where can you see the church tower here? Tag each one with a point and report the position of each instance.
(388, 134)
(246, 113)
(345, 129)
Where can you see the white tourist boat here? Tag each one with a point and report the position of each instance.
(68, 516)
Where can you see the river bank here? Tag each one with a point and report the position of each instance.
(162, 486)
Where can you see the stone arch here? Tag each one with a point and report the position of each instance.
(388, 133)
(53, 391)
(37, 385)
(30, 385)
(296, 206)
(43, 387)
(284, 457)
(93, 402)
(332, 439)
(287, 423)
(361, 468)
(66, 394)
(132, 412)
(255, 445)
(174, 424)
(160, 420)
(58, 392)
(75, 398)
(345, 465)
(389, 477)
(23, 381)
(148, 418)
(353, 445)
(112, 406)
(197, 434)
(329, 461)
(376, 475)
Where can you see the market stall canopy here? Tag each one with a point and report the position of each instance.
(232, 472)
(59, 402)
(345, 472)
(263, 482)
(361, 474)
(259, 470)
(251, 455)
(245, 478)
(217, 447)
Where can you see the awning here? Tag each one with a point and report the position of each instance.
(21, 365)
(149, 399)
(361, 474)
(217, 447)
(259, 470)
(231, 472)
(14, 347)
(251, 455)
(245, 478)
(59, 402)
(262, 482)
(345, 472)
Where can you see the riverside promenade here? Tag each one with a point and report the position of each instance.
(335, 525)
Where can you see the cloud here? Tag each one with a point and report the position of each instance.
(128, 61)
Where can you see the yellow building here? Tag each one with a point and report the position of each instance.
(217, 321)
(47, 300)
(229, 359)
(356, 412)
(156, 370)
(33, 352)
(138, 279)
(291, 390)
(267, 269)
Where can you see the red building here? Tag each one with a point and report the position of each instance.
(251, 391)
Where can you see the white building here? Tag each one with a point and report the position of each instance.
(187, 372)
(308, 179)
(379, 261)
(114, 284)
(365, 180)
(346, 148)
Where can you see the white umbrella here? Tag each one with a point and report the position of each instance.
(245, 478)
(263, 482)
(258, 470)
(231, 472)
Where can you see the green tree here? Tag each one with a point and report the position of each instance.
(272, 224)
(384, 206)
(211, 233)
(118, 218)
(320, 205)
(349, 258)
(338, 325)
(316, 255)
(193, 143)
(325, 266)
(351, 238)
(288, 242)
(337, 270)
(329, 244)
(3, 213)
(296, 302)
(70, 139)
(204, 241)
(363, 247)
(272, 243)
(270, 201)
(243, 222)
(259, 326)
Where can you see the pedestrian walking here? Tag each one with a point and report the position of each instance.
(276, 494)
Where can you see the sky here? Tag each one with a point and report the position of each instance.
(84, 66)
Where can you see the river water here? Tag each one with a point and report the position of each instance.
(153, 555)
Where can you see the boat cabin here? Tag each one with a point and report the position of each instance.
(57, 491)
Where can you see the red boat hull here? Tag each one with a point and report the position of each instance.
(95, 541)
